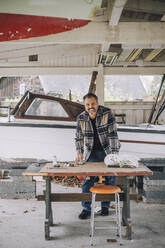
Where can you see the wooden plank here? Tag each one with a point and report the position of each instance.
(34, 174)
(152, 54)
(76, 197)
(135, 54)
(92, 87)
(112, 70)
(94, 169)
(88, 169)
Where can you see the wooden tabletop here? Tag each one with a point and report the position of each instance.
(90, 169)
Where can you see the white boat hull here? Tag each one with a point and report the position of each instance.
(38, 143)
(43, 141)
(143, 150)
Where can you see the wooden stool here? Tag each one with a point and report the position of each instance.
(106, 189)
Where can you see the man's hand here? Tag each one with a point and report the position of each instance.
(79, 157)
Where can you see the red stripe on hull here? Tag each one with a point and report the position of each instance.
(16, 26)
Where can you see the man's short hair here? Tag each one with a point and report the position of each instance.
(90, 95)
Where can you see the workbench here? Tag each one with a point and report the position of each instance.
(88, 169)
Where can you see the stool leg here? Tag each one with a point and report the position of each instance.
(119, 218)
(92, 218)
(116, 208)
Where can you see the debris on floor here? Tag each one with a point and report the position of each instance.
(111, 240)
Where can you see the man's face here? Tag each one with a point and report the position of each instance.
(91, 106)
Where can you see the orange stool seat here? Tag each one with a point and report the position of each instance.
(105, 189)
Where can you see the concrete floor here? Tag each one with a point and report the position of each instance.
(21, 225)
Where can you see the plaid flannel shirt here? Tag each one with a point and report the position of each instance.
(106, 128)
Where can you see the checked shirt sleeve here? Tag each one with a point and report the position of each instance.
(113, 136)
(79, 139)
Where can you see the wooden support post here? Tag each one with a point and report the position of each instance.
(77, 197)
(100, 84)
(92, 86)
(126, 209)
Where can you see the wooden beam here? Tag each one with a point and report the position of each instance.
(116, 8)
(14, 51)
(148, 70)
(76, 197)
(118, 63)
(29, 71)
(92, 87)
(100, 84)
(151, 6)
(134, 55)
(105, 47)
(152, 54)
(144, 46)
(136, 63)
(146, 33)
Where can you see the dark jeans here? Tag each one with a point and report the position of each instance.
(96, 156)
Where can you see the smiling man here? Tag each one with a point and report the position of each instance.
(96, 137)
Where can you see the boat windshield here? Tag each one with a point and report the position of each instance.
(46, 107)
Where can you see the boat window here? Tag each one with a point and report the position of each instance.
(46, 107)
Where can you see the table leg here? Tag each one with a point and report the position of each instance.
(48, 214)
(126, 219)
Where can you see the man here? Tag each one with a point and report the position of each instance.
(96, 137)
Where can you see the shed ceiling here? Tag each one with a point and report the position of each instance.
(127, 37)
